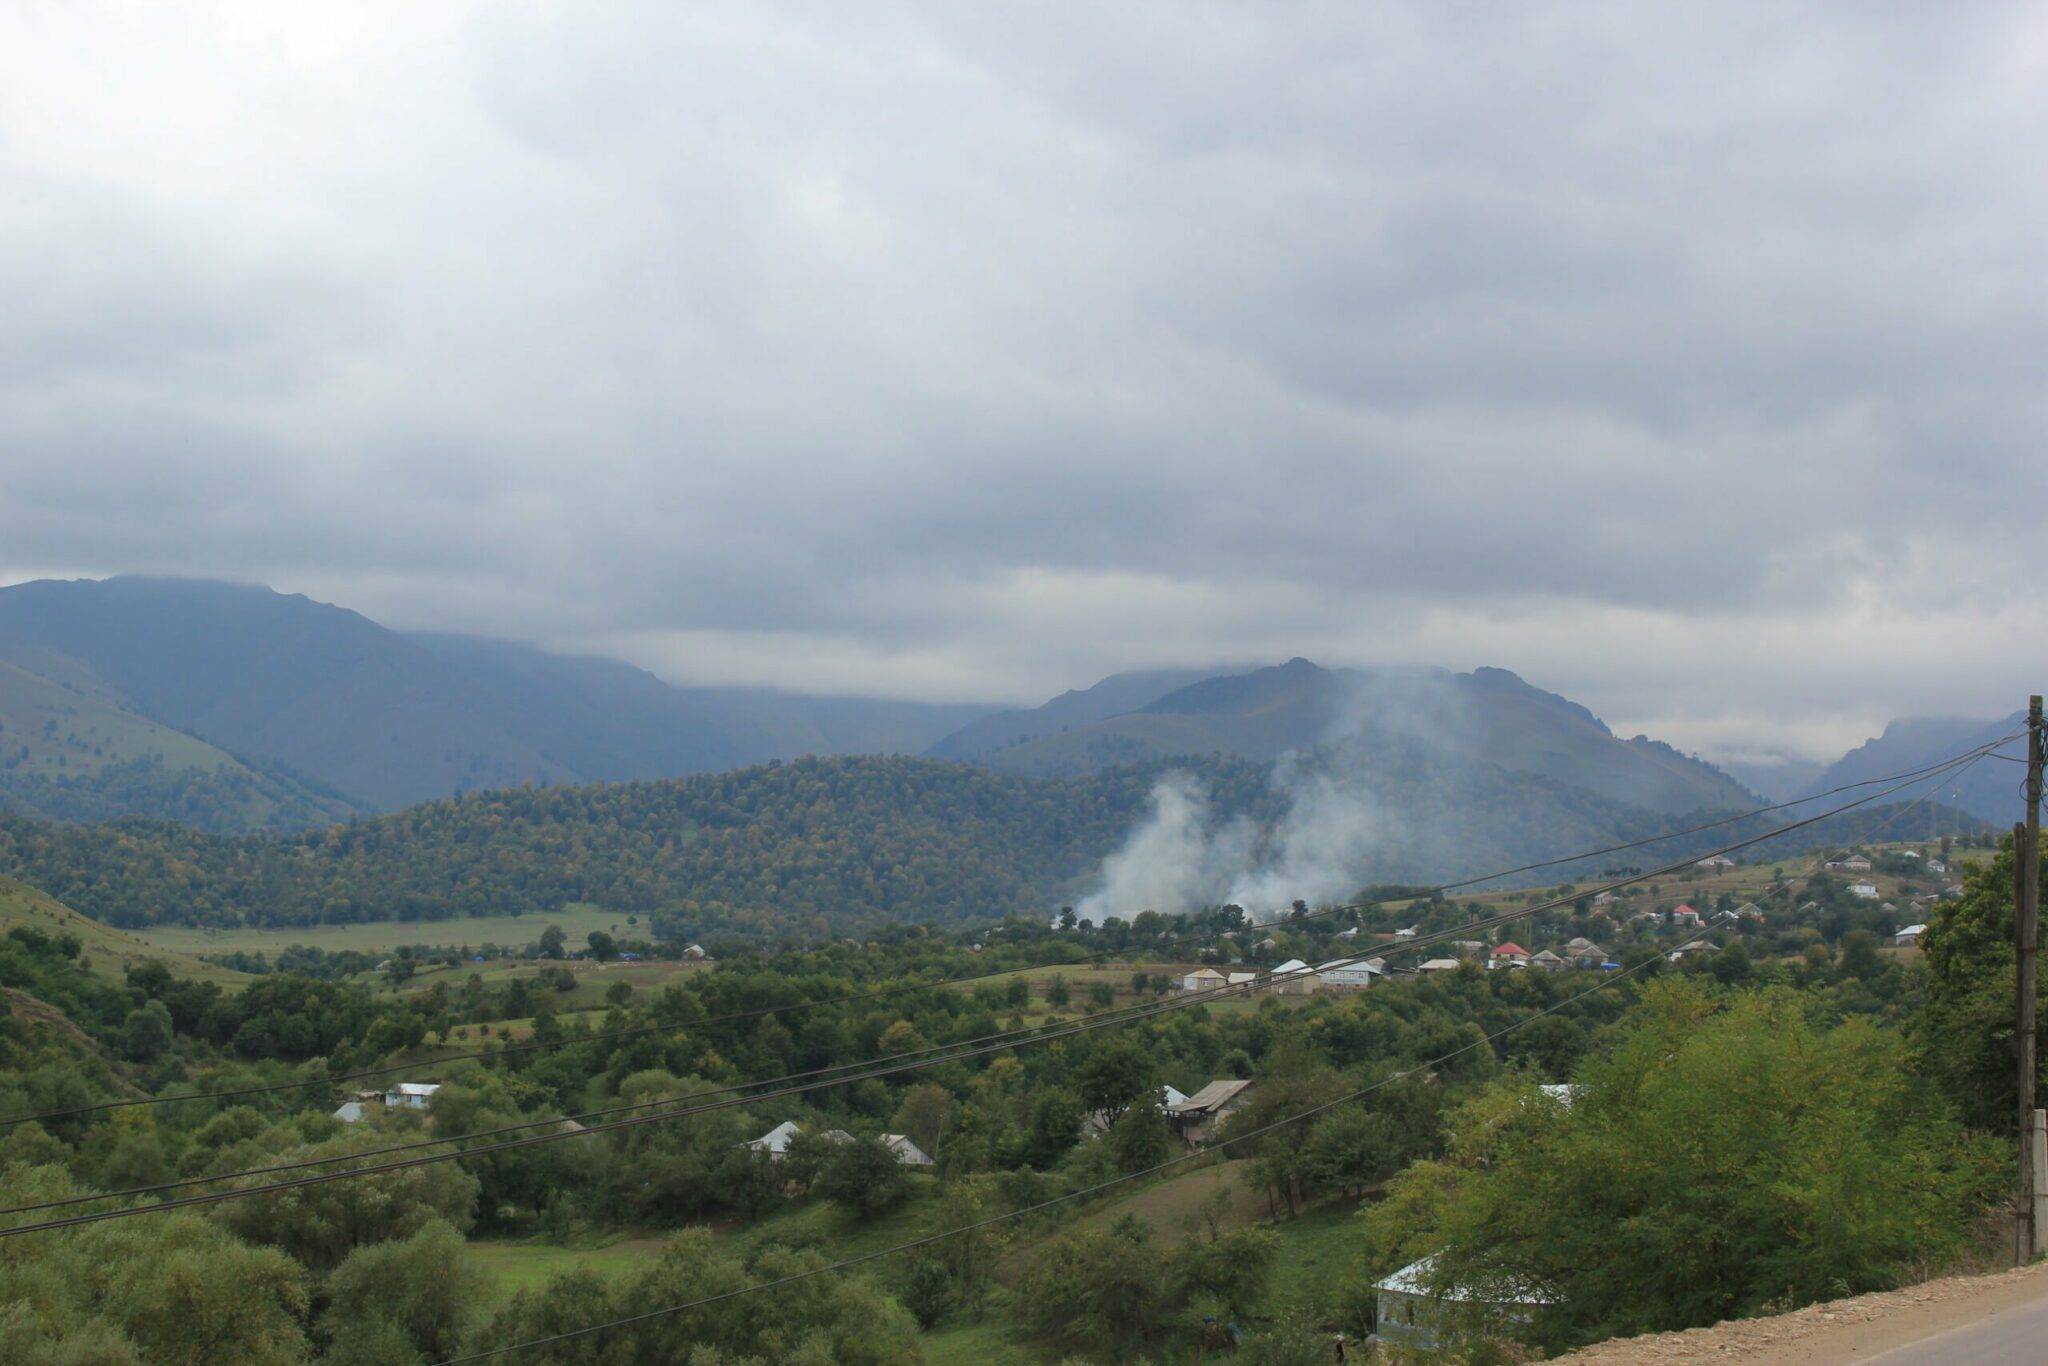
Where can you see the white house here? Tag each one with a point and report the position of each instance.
(908, 1154)
(1243, 979)
(1351, 933)
(1294, 978)
(1717, 861)
(695, 954)
(1910, 936)
(775, 1142)
(1866, 890)
(1509, 955)
(1408, 933)
(411, 1095)
(1349, 974)
(1440, 965)
(1203, 979)
(352, 1112)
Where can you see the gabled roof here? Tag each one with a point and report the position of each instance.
(1440, 965)
(1547, 956)
(1413, 1279)
(1214, 1096)
(1291, 965)
(1510, 949)
(416, 1088)
(776, 1140)
(907, 1153)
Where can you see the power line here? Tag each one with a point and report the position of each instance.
(635, 1031)
(989, 1044)
(1222, 1141)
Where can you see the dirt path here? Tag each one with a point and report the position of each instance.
(1858, 1329)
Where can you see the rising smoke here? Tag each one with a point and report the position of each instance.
(1184, 856)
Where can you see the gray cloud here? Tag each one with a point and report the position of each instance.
(1685, 361)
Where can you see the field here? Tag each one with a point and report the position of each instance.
(110, 951)
(511, 1267)
(382, 936)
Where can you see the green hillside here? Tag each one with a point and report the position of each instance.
(70, 750)
(812, 848)
(111, 951)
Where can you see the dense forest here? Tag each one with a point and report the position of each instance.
(813, 847)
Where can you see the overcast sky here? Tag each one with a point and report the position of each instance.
(1688, 360)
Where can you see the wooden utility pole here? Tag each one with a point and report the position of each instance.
(2027, 931)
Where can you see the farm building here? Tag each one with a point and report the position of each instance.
(1197, 1118)
(908, 1154)
(1409, 1312)
(411, 1095)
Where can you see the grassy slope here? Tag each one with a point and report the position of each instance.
(382, 936)
(111, 951)
(72, 732)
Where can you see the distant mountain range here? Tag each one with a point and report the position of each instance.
(1988, 789)
(233, 707)
(230, 707)
(1488, 716)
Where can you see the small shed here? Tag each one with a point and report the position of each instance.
(1408, 1312)
(411, 1095)
(908, 1154)
(1199, 1116)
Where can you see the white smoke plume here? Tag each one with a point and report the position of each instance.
(1176, 860)
(1332, 840)
(1181, 858)
(1320, 849)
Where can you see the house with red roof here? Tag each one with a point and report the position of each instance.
(1509, 955)
(1684, 915)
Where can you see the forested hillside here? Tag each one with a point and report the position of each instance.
(820, 846)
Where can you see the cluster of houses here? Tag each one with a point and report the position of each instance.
(775, 1143)
(406, 1095)
(1297, 978)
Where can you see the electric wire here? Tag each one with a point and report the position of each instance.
(335, 1079)
(1223, 1140)
(990, 1044)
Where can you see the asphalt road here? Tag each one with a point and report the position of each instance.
(2017, 1336)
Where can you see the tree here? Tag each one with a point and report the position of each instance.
(863, 1176)
(551, 941)
(1101, 1288)
(147, 1034)
(1738, 1153)
(602, 946)
(1139, 1138)
(924, 1114)
(1962, 1037)
(424, 1285)
(1058, 993)
(1113, 1075)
